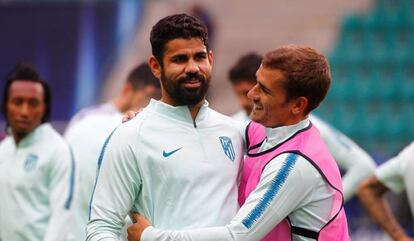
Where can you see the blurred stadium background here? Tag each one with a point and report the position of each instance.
(85, 49)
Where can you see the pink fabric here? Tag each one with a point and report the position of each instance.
(309, 144)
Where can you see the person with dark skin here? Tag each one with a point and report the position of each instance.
(36, 165)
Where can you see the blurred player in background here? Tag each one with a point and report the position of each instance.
(89, 129)
(396, 175)
(350, 157)
(136, 93)
(36, 166)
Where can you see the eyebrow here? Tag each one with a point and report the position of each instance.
(202, 52)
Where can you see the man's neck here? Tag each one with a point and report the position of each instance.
(18, 137)
(194, 109)
(119, 104)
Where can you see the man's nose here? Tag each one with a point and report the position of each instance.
(24, 109)
(252, 94)
(192, 67)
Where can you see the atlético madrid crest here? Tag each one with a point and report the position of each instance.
(227, 147)
(30, 162)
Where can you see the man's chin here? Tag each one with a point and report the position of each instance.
(254, 117)
(21, 132)
(190, 100)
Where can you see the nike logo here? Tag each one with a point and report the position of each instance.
(167, 154)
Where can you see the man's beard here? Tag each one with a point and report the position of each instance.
(182, 95)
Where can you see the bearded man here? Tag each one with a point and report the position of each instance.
(178, 162)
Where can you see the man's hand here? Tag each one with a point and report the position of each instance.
(135, 230)
(130, 115)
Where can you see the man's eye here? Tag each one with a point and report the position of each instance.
(179, 59)
(17, 101)
(34, 103)
(264, 90)
(200, 56)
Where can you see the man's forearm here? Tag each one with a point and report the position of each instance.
(371, 194)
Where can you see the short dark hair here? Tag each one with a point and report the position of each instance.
(26, 72)
(174, 27)
(306, 71)
(245, 69)
(141, 76)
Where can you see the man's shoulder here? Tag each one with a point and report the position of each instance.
(405, 157)
(95, 110)
(296, 168)
(96, 122)
(218, 117)
(409, 150)
(131, 128)
(240, 116)
(53, 139)
(6, 142)
(49, 144)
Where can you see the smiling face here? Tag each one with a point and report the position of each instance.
(25, 107)
(271, 106)
(185, 71)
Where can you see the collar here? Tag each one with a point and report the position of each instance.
(33, 136)
(181, 113)
(275, 136)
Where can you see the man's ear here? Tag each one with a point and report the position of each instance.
(155, 67)
(126, 89)
(300, 105)
(210, 57)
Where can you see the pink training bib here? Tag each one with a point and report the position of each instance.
(307, 143)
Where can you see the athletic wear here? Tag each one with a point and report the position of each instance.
(299, 225)
(86, 135)
(177, 172)
(289, 186)
(397, 173)
(356, 162)
(241, 116)
(104, 109)
(36, 187)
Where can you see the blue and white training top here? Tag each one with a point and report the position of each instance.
(86, 135)
(178, 173)
(36, 187)
(351, 158)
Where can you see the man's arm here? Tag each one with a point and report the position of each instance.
(351, 158)
(388, 176)
(117, 186)
(272, 200)
(61, 175)
(371, 193)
